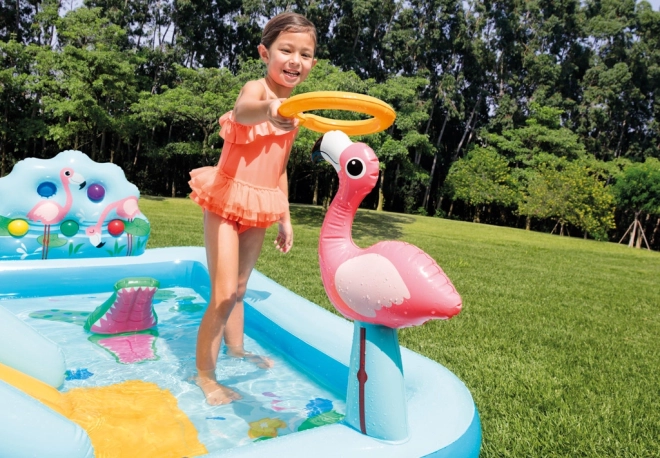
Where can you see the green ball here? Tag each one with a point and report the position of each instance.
(69, 228)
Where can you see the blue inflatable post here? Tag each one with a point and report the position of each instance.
(375, 401)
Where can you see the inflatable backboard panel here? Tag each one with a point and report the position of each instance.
(69, 207)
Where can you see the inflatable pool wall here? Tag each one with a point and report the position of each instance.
(442, 418)
(69, 207)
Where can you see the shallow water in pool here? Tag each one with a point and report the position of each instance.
(278, 401)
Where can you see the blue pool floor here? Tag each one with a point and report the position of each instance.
(278, 401)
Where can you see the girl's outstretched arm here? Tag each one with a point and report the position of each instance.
(253, 107)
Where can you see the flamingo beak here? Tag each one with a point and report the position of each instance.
(79, 180)
(330, 146)
(96, 240)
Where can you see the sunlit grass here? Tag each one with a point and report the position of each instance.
(558, 341)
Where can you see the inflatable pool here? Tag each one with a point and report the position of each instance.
(97, 334)
(442, 417)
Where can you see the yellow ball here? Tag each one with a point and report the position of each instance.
(18, 227)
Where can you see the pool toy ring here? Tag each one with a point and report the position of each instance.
(383, 114)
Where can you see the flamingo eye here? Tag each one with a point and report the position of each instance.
(355, 168)
(67, 173)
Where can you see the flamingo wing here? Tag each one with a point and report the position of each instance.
(369, 282)
(45, 212)
(130, 208)
(433, 294)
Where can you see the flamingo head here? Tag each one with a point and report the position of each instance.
(355, 163)
(94, 235)
(67, 175)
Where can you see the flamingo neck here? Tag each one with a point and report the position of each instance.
(338, 222)
(69, 198)
(105, 212)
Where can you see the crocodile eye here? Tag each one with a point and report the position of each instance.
(355, 168)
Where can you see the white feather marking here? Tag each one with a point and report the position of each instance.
(370, 282)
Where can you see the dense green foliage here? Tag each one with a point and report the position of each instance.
(517, 113)
(557, 339)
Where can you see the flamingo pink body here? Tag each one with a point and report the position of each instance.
(50, 212)
(391, 283)
(125, 208)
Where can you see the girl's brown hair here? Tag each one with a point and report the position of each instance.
(286, 22)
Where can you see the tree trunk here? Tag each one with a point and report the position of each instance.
(102, 149)
(19, 38)
(451, 209)
(3, 156)
(137, 151)
(633, 234)
(528, 223)
(435, 161)
(326, 199)
(655, 232)
(477, 214)
(115, 149)
(291, 183)
(467, 129)
(315, 195)
(381, 195)
(3, 148)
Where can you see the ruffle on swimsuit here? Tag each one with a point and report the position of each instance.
(240, 134)
(232, 198)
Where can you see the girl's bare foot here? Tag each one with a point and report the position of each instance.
(215, 393)
(260, 361)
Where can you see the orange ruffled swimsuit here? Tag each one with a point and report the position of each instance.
(243, 187)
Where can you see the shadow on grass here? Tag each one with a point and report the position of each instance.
(367, 224)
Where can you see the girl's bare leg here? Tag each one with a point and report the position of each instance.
(250, 243)
(222, 253)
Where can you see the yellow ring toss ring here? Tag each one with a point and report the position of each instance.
(383, 114)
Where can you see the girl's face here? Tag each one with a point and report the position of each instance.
(288, 60)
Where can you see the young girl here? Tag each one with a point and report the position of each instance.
(247, 192)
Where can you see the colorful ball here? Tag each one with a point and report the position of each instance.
(95, 192)
(69, 228)
(18, 227)
(47, 189)
(116, 227)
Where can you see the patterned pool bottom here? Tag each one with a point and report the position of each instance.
(275, 402)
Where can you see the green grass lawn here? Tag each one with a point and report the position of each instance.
(558, 340)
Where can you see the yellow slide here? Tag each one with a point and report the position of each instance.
(128, 419)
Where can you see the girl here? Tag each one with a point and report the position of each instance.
(247, 192)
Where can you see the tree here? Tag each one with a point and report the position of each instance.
(88, 86)
(638, 189)
(21, 126)
(404, 94)
(541, 134)
(193, 106)
(570, 193)
(481, 178)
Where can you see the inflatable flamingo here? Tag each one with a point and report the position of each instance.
(387, 286)
(125, 208)
(50, 212)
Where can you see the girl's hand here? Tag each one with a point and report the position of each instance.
(284, 240)
(277, 119)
